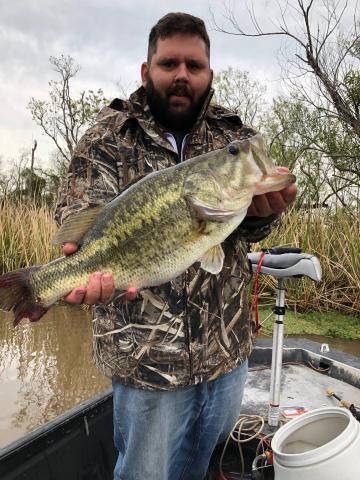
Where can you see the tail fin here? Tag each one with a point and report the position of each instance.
(16, 293)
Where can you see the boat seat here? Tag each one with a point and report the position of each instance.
(287, 265)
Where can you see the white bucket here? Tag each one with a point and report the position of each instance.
(323, 444)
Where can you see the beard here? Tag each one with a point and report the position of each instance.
(162, 111)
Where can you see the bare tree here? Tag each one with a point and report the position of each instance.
(64, 118)
(235, 90)
(33, 157)
(327, 55)
(322, 72)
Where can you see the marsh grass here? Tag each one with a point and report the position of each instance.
(26, 233)
(334, 237)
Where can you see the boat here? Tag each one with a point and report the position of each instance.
(286, 379)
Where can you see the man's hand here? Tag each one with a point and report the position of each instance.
(272, 202)
(99, 289)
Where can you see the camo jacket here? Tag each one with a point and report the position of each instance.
(198, 326)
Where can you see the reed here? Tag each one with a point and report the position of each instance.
(334, 237)
(26, 233)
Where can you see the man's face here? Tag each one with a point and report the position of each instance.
(177, 80)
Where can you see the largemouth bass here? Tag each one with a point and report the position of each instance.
(154, 230)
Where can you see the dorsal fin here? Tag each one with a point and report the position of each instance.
(76, 225)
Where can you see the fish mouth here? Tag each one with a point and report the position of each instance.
(274, 182)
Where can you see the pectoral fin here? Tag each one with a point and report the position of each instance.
(213, 260)
(76, 225)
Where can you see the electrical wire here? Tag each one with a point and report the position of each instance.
(249, 427)
(246, 429)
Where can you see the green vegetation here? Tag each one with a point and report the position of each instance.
(334, 238)
(26, 233)
(329, 324)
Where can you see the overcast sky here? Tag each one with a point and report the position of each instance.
(108, 38)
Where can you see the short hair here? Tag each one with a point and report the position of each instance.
(177, 22)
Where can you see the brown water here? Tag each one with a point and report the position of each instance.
(45, 369)
(351, 347)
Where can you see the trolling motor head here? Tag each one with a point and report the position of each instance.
(287, 262)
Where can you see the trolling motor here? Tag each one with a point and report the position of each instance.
(282, 263)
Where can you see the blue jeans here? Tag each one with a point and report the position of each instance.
(170, 435)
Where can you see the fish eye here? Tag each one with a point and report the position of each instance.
(233, 149)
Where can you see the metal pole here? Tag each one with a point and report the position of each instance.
(276, 360)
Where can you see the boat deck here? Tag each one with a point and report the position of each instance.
(305, 378)
(300, 386)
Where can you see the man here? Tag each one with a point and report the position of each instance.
(177, 354)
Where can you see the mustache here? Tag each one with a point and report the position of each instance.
(181, 90)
